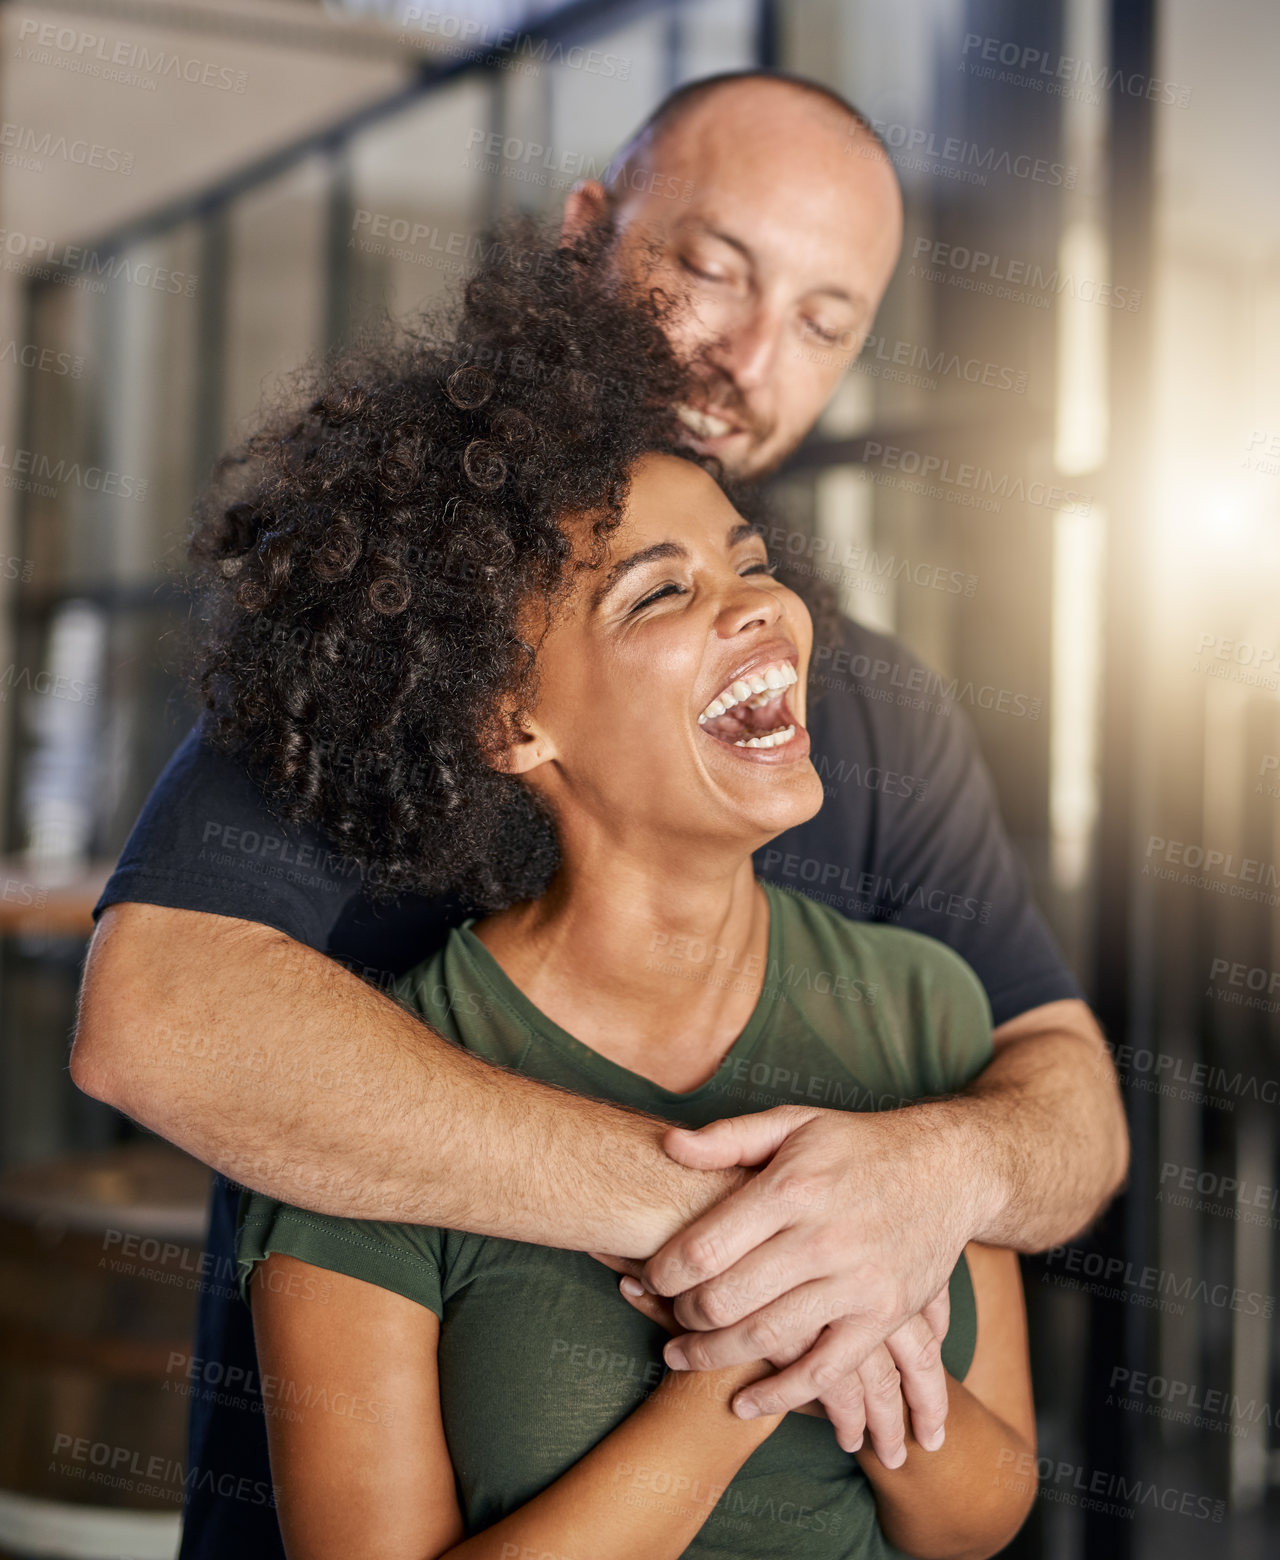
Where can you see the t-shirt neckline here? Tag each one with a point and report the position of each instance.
(487, 969)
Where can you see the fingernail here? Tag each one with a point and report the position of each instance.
(746, 1409)
(675, 1357)
(898, 1460)
(631, 1286)
(935, 1440)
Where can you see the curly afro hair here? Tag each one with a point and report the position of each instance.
(361, 564)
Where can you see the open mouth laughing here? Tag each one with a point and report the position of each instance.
(752, 711)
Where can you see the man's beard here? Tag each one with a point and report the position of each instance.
(711, 388)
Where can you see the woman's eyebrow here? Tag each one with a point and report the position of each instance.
(739, 532)
(624, 566)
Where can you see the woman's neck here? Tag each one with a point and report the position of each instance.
(657, 969)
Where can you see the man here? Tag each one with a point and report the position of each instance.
(214, 1011)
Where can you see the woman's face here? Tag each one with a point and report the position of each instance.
(671, 698)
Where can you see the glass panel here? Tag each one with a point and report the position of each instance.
(418, 200)
(276, 286)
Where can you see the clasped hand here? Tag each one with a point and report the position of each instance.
(832, 1263)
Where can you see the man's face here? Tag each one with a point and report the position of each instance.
(779, 256)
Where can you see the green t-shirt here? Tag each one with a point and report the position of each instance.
(539, 1356)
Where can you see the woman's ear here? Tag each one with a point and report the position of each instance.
(521, 750)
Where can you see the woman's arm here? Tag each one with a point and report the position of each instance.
(968, 1499)
(361, 1467)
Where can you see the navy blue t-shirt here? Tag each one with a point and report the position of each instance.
(909, 832)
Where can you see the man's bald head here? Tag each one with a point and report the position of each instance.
(768, 204)
(755, 88)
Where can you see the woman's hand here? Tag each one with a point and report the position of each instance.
(663, 1311)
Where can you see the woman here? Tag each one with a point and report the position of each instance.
(475, 615)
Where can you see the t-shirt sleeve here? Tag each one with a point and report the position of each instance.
(406, 1259)
(941, 862)
(207, 840)
(949, 1009)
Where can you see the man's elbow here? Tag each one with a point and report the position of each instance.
(1111, 1111)
(148, 974)
(117, 1027)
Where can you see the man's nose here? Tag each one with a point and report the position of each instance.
(750, 351)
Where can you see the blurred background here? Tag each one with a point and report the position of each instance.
(1071, 398)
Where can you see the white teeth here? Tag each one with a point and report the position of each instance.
(702, 423)
(770, 738)
(757, 688)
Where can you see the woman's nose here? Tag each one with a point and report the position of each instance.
(750, 606)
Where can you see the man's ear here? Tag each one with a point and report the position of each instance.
(585, 207)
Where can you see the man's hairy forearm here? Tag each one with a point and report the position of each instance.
(273, 1064)
(1043, 1133)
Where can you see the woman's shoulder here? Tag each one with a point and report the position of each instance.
(809, 925)
(919, 998)
(406, 1258)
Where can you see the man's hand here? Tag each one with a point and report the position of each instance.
(878, 1386)
(827, 1258)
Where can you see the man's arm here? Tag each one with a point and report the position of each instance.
(272, 1063)
(269, 1061)
(1047, 1128)
(1026, 1156)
